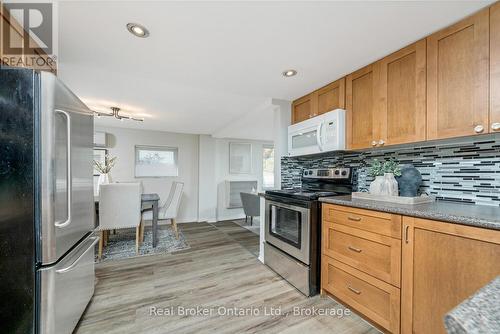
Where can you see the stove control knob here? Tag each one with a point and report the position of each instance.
(337, 172)
(344, 173)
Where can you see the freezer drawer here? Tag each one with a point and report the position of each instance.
(66, 288)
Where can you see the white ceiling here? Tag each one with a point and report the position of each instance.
(207, 64)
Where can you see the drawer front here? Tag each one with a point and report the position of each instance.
(374, 299)
(66, 289)
(374, 254)
(372, 221)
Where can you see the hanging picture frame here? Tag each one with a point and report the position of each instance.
(240, 158)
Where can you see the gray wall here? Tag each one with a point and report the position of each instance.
(121, 143)
(461, 170)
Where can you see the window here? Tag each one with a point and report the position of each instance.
(267, 166)
(156, 161)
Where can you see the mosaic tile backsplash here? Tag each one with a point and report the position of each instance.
(466, 170)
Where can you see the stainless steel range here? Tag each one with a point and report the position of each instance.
(293, 226)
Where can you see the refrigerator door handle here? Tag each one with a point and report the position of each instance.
(73, 265)
(68, 181)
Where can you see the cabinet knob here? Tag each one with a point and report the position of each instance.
(381, 142)
(495, 126)
(374, 143)
(478, 129)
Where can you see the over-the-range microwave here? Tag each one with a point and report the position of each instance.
(323, 133)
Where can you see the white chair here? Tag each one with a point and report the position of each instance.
(171, 207)
(119, 208)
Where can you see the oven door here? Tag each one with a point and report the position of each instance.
(287, 227)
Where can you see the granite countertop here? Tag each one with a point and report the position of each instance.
(478, 314)
(465, 214)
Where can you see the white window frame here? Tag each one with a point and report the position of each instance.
(268, 146)
(175, 150)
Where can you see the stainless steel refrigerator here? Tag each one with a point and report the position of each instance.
(46, 204)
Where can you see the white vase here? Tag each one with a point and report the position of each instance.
(103, 179)
(390, 187)
(377, 185)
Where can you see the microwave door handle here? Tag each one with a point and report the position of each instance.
(318, 136)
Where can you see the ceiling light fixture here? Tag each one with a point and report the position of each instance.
(137, 30)
(115, 112)
(289, 73)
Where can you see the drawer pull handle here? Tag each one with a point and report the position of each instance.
(356, 219)
(354, 249)
(356, 291)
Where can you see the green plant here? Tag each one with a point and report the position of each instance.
(107, 166)
(392, 166)
(376, 169)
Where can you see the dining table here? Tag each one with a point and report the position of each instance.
(148, 202)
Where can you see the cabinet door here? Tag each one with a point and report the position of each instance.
(494, 125)
(360, 108)
(443, 264)
(400, 102)
(331, 97)
(303, 108)
(458, 78)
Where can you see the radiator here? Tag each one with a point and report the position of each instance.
(233, 190)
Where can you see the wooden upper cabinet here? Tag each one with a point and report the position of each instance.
(331, 97)
(442, 265)
(400, 114)
(302, 108)
(494, 125)
(360, 108)
(458, 78)
(323, 100)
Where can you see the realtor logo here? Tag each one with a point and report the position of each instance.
(35, 21)
(27, 35)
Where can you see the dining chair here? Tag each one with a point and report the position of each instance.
(170, 209)
(251, 205)
(120, 208)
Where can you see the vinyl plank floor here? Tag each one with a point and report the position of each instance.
(220, 275)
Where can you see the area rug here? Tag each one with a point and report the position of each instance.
(122, 244)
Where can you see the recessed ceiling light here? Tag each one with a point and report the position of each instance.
(289, 73)
(137, 30)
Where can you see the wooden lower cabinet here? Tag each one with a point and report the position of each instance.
(405, 275)
(443, 264)
(361, 262)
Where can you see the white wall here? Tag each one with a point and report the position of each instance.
(207, 195)
(282, 119)
(121, 143)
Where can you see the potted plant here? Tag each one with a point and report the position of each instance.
(104, 169)
(384, 172)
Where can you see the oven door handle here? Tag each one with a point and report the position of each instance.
(287, 206)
